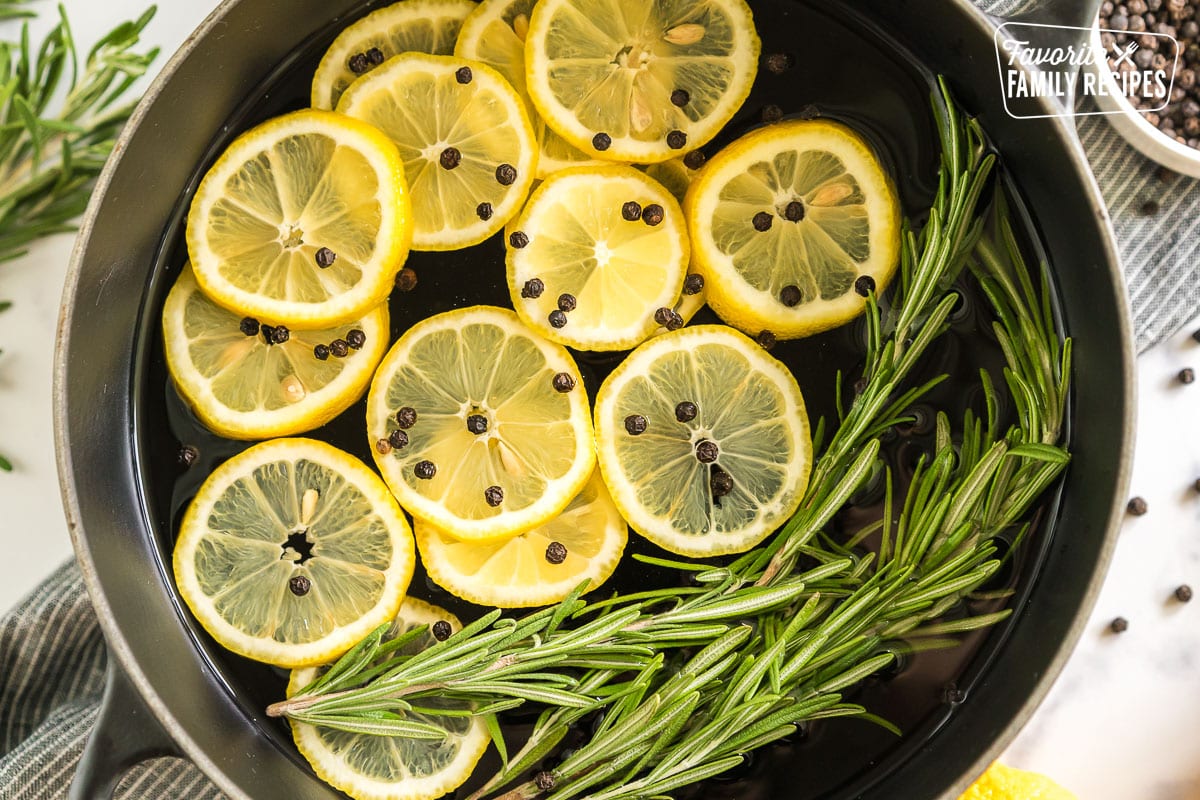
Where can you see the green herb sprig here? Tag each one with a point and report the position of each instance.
(59, 120)
(816, 633)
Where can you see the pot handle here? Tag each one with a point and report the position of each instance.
(125, 734)
(1067, 13)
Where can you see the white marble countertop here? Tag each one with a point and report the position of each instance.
(1116, 726)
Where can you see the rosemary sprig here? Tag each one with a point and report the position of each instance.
(50, 159)
(817, 632)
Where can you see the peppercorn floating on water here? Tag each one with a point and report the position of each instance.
(368, 767)
(420, 26)
(480, 426)
(535, 568)
(792, 226)
(703, 441)
(249, 380)
(636, 81)
(469, 153)
(597, 252)
(303, 221)
(291, 552)
(494, 34)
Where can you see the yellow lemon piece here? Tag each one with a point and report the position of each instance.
(245, 380)
(626, 80)
(303, 221)
(370, 767)
(1001, 782)
(495, 35)
(291, 552)
(536, 568)
(703, 441)
(422, 26)
(468, 148)
(792, 225)
(479, 425)
(599, 252)
(674, 175)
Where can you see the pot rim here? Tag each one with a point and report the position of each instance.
(128, 661)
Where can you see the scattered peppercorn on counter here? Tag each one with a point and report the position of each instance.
(446, 113)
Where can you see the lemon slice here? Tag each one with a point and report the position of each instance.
(674, 175)
(468, 148)
(597, 252)
(494, 34)
(480, 426)
(792, 226)
(1002, 782)
(291, 552)
(536, 568)
(703, 441)
(626, 80)
(370, 767)
(304, 221)
(245, 380)
(422, 26)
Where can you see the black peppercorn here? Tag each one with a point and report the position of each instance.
(601, 141)
(707, 451)
(406, 417)
(557, 319)
(188, 455)
(635, 425)
(249, 326)
(694, 284)
(1183, 593)
(1119, 625)
(674, 323)
(680, 98)
(864, 285)
(794, 211)
(477, 424)
(267, 332)
(762, 222)
(280, 334)
(652, 214)
(375, 57)
(766, 340)
(383, 446)
(518, 240)
(685, 411)
(398, 439)
(1148, 208)
(563, 382)
(450, 158)
(494, 496)
(695, 159)
(299, 585)
(441, 630)
(545, 781)
(484, 211)
(1137, 506)
(338, 348)
(533, 289)
(566, 302)
(356, 339)
(506, 174)
(676, 140)
(556, 552)
(425, 470)
(772, 113)
(321, 352)
(779, 63)
(406, 280)
(1187, 375)
(631, 211)
(790, 296)
(663, 315)
(325, 258)
(463, 75)
(358, 63)
(720, 482)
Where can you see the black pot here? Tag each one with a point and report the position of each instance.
(169, 693)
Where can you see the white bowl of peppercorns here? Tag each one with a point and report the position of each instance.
(1169, 134)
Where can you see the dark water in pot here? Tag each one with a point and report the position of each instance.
(842, 69)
